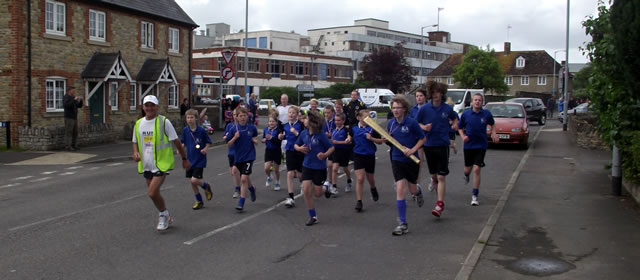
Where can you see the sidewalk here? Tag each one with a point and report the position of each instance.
(561, 221)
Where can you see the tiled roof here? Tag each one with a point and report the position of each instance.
(536, 62)
(167, 9)
(151, 70)
(99, 65)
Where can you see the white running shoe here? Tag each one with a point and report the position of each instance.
(289, 202)
(236, 194)
(474, 201)
(432, 185)
(164, 222)
(348, 188)
(268, 182)
(276, 187)
(327, 184)
(333, 190)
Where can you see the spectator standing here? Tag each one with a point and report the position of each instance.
(71, 104)
(550, 106)
(253, 108)
(353, 107)
(184, 107)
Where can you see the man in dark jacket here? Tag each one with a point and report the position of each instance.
(352, 108)
(71, 103)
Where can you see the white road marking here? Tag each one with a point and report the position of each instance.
(48, 172)
(22, 178)
(237, 223)
(40, 179)
(67, 173)
(115, 164)
(74, 167)
(345, 174)
(94, 168)
(10, 185)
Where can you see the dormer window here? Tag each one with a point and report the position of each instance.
(520, 62)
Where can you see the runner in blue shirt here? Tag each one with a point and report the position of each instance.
(421, 98)
(235, 173)
(473, 131)
(292, 130)
(364, 156)
(341, 138)
(328, 126)
(434, 118)
(243, 138)
(272, 138)
(407, 131)
(316, 147)
(196, 142)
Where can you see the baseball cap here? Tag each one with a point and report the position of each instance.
(150, 98)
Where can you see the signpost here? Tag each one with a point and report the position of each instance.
(307, 91)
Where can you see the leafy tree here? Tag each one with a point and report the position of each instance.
(387, 67)
(480, 69)
(581, 81)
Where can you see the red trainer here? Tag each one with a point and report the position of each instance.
(437, 211)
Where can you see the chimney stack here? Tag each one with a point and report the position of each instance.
(507, 48)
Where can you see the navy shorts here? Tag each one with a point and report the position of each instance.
(341, 156)
(149, 175)
(294, 160)
(368, 162)
(232, 160)
(274, 155)
(405, 170)
(194, 172)
(474, 157)
(437, 160)
(317, 176)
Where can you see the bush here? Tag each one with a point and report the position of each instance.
(631, 159)
(275, 93)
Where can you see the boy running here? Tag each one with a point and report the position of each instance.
(196, 142)
(292, 130)
(473, 131)
(242, 138)
(364, 156)
(233, 171)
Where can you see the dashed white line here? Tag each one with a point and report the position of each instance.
(10, 185)
(67, 173)
(94, 168)
(22, 178)
(48, 172)
(40, 179)
(115, 164)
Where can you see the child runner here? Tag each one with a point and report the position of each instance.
(341, 139)
(242, 138)
(292, 130)
(316, 147)
(152, 137)
(233, 171)
(434, 118)
(421, 99)
(196, 142)
(454, 130)
(272, 138)
(364, 156)
(473, 131)
(407, 131)
(328, 126)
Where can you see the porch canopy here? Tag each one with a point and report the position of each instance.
(101, 68)
(154, 72)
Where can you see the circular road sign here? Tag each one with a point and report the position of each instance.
(227, 73)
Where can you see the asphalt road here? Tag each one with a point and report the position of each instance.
(94, 221)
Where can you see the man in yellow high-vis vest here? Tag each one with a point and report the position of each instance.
(152, 137)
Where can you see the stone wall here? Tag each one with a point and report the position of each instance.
(52, 138)
(583, 129)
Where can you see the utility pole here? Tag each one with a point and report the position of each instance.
(246, 51)
(565, 120)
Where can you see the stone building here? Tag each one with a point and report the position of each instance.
(114, 52)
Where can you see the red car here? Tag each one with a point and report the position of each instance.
(511, 123)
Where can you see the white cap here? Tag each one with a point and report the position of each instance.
(150, 98)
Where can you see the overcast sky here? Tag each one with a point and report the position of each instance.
(535, 24)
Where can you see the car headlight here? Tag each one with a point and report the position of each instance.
(517, 129)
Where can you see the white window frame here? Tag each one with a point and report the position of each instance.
(53, 19)
(450, 81)
(146, 35)
(520, 62)
(542, 80)
(174, 40)
(54, 95)
(97, 25)
(113, 96)
(133, 96)
(173, 94)
(508, 80)
(524, 80)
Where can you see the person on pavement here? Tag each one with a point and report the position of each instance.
(152, 137)
(184, 107)
(71, 104)
(473, 131)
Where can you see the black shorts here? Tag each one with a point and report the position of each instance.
(474, 157)
(194, 172)
(317, 176)
(341, 156)
(294, 160)
(437, 160)
(244, 167)
(274, 155)
(149, 175)
(405, 170)
(452, 136)
(368, 162)
(232, 160)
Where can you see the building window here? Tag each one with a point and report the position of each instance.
(450, 81)
(508, 80)
(542, 80)
(520, 62)
(132, 96)
(252, 43)
(299, 68)
(262, 42)
(113, 96)
(97, 25)
(524, 80)
(203, 90)
(325, 44)
(55, 17)
(55, 92)
(174, 40)
(173, 96)
(146, 35)
(332, 43)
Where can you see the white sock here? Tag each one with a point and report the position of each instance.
(164, 213)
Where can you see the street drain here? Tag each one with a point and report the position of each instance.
(539, 266)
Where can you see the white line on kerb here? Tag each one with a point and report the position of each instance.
(237, 223)
(22, 178)
(48, 172)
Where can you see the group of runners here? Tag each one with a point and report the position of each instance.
(316, 145)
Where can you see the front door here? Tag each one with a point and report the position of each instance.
(96, 106)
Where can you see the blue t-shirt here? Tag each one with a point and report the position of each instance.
(439, 118)
(341, 134)
(408, 133)
(413, 112)
(231, 151)
(475, 127)
(192, 138)
(274, 143)
(290, 137)
(362, 145)
(319, 143)
(244, 148)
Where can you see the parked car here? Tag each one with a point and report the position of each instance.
(264, 104)
(536, 110)
(321, 104)
(511, 124)
(580, 109)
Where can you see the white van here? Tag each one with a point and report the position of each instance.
(462, 98)
(375, 97)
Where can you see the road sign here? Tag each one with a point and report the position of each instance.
(304, 87)
(227, 73)
(308, 94)
(373, 115)
(228, 55)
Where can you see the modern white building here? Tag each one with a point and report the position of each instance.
(365, 35)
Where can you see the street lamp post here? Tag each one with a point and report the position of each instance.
(553, 87)
(422, 49)
(566, 76)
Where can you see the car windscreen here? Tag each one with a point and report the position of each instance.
(456, 95)
(505, 110)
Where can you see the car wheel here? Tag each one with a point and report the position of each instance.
(542, 120)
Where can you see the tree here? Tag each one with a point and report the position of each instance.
(386, 67)
(480, 69)
(581, 81)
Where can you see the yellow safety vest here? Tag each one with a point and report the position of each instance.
(162, 150)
